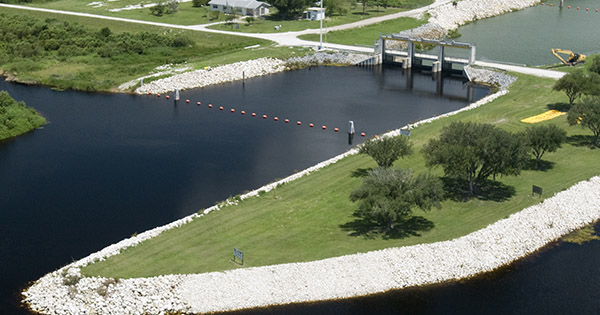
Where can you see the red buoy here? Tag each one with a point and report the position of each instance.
(542, 3)
(298, 123)
(233, 110)
(157, 94)
(568, 7)
(376, 136)
(150, 93)
(311, 125)
(287, 121)
(243, 112)
(362, 134)
(167, 97)
(550, 4)
(323, 127)
(587, 9)
(577, 8)
(253, 114)
(187, 101)
(220, 107)
(209, 105)
(336, 129)
(275, 118)
(264, 116)
(596, 10)
(198, 103)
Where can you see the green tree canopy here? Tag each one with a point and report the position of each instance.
(387, 196)
(595, 65)
(385, 151)
(474, 152)
(574, 84)
(587, 113)
(290, 8)
(544, 138)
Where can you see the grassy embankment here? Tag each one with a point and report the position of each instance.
(16, 118)
(77, 57)
(304, 220)
(366, 35)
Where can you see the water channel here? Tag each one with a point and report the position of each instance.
(526, 36)
(110, 165)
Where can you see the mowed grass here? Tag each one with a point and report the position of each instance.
(302, 220)
(267, 25)
(366, 35)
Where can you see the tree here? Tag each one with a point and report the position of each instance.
(574, 84)
(587, 114)
(474, 152)
(387, 196)
(595, 65)
(199, 3)
(385, 151)
(290, 8)
(542, 139)
(335, 6)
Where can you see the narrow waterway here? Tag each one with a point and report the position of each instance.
(527, 36)
(107, 166)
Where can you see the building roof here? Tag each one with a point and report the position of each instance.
(249, 4)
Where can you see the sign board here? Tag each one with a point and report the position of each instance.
(536, 190)
(238, 254)
(405, 132)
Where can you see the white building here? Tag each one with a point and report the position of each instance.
(315, 14)
(241, 7)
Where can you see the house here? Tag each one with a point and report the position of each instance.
(315, 14)
(241, 7)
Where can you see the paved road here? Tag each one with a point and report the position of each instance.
(291, 39)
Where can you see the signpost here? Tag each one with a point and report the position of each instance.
(238, 254)
(536, 190)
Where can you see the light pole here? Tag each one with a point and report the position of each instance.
(321, 33)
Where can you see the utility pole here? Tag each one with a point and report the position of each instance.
(321, 33)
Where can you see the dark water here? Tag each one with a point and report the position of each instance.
(527, 36)
(107, 166)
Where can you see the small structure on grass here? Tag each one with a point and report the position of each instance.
(243, 7)
(314, 14)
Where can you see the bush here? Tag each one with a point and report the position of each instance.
(199, 3)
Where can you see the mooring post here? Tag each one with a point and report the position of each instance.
(411, 53)
(382, 39)
(472, 51)
(176, 95)
(141, 82)
(562, 4)
(243, 77)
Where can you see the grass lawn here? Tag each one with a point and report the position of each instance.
(209, 50)
(185, 15)
(303, 220)
(366, 35)
(268, 24)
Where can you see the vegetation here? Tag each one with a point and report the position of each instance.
(75, 52)
(16, 118)
(586, 234)
(387, 197)
(544, 138)
(312, 217)
(385, 151)
(290, 8)
(473, 152)
(163, 7)
(366, 35)
(587, 114)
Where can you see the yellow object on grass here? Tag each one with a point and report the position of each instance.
(551, 114)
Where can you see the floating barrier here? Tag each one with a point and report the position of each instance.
(299, 123)
(209, 105)
(220, 107)
(157, 94)
(243, 112)
(336, 129)
(198, 103)
(187, 101)
(551, 114)
(150, 93)
(287, 121)
(311, 125)
(167, 97)
(253, 114)
(264, 116)
(324, 127)
(275, 118)
(232, 110)
(362, 134)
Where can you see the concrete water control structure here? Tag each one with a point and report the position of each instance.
(410, 57)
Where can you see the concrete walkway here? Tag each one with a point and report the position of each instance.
(291, 39)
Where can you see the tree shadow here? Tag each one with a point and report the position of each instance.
(457, 189)
(412, 226)
(581, 141)
(561, 107)
(545, 166)
(361, 172)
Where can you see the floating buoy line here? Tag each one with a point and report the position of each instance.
(275, 118)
